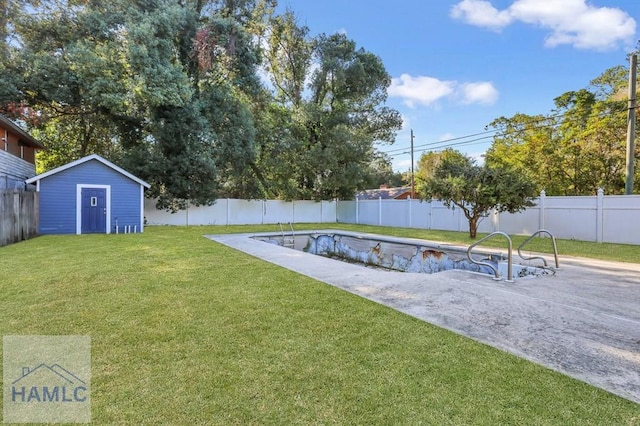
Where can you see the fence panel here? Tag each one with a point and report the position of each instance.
(244, 212)
(308, 211)
(395, 213)
(572, 218)
(369, 212)
(601, 218)
(620, 222)
(592, 218)
(523, 223)
(346, 211)
(275, 211)
(18, 216)
(446, 219)
(215, 214)
(420, 214)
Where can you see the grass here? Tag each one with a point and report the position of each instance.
(187, 331)
(603, 251)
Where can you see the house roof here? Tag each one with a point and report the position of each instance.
(84, 160)
(23, 136)
(384, 193)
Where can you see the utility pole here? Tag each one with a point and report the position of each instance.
(631, 126)
(413, 183)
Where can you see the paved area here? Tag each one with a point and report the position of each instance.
(583, 322)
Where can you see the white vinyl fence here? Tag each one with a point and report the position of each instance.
(245, 212)
(601, 218)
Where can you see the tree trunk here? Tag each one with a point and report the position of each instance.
(473, 227)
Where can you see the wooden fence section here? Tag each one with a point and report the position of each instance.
(18, 216)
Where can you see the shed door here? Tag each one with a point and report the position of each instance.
(94, 210)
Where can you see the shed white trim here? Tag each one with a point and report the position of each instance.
(84, 160)
(141, 208)
(79, 188)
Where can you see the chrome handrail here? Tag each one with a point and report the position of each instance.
(281, 231)
(288, 242)
(544, 261)
(493, 268)
(292, 242)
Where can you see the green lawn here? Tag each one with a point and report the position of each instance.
(602, 251)
(187, 331)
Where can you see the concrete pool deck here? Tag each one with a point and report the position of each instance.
(584, 321)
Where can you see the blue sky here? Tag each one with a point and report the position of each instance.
(457, 65)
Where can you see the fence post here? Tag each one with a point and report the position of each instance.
(36, 212)
(228, 211)
(541, 206)
(600, 215)
(357, 211)
(495, 219)
(410, 218)
(379, 211)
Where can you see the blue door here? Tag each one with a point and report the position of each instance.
(94, 210)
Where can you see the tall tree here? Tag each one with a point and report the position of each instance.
(334, 94)
(526, 144)
(477, 190)
(579, 148)
(151, 84)
(381, 173)
(171, 90)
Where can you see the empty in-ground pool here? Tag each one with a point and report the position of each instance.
(405, 255)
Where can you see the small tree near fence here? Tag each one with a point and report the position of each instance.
(457, 180)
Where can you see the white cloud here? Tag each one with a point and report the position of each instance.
(420, 90)
(572, 22)
(423, 90)
(479, 93)
(482, 14)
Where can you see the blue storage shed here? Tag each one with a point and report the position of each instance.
(88, 196)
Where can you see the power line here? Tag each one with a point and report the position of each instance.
(445, 143)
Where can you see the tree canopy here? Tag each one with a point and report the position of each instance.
(176, 91)
(458, 181)
(578, 148)
(225, 98)
(333, 95)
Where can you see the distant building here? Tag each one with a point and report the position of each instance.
(386, 193)
(17, 155)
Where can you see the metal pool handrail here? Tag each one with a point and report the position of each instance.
(493, 268)
(290, 242)
(544, 261)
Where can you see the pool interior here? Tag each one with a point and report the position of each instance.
(394, 254)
